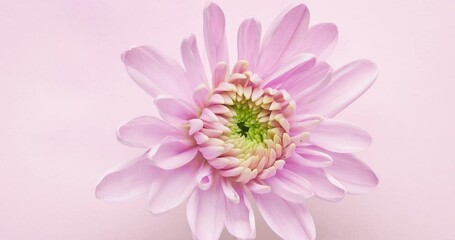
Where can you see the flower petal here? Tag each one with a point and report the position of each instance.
(304, 162)
(290, 186)
(206, 212)
(296, 66)
(174, 110)
(127, 180)
(214, 35)
(320, 39)
(240, 218)
(204, 177)
(220, 73)
(291, 221)
(323, 185)
(192, 62)
(306, 83)
(339, 136)
(145, 132)
(155, 73)
(283, 39)
(172, 153)
(200, 95)
(352, 173)
(348, 83)
(312, 157)
(173, 187)
(248, 39)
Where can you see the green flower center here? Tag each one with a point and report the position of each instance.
(246, 122)
(243, 129)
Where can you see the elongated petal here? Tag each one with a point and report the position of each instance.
(314, 157)
(283, 39)
(172, 153)
(192, 61)
(291, 221)
(296, 66)
(220, 73)
(306, 83)
(206, 212)
(155, 73)
(323, 185)
(127, 180)
(240, 218)
(290, 186)
(174, 110)
(145, 132)
(352, 173)
(320, 39)
(339, 136)
(200, 95)
(173, 187)
(248, 40)
(348, 83)
(316, 161)
(214, 35)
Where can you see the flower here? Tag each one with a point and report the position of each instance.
(260, 133)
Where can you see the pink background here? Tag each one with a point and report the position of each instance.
(64, 91)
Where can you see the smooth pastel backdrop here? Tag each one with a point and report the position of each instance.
(64, 91)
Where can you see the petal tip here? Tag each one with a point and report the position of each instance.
(211, 6)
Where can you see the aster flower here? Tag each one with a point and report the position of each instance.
(257, 131)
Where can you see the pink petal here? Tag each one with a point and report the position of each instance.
(229, 192)
(291, 221)
(320, 39)
(195, 125)
(290, 186)
(173, 187)
(220, 73)
(353, 174)
(171, 153)
(348, 83)
(214, 35)
(305, 162)
(192, 62)
(258, 187)
(283, 39)
(174, 110)
(211, 152)
(248, 39)
(309, 82)
(296, 66)
(324, 186)
(206, 212)
(339, 136)
(145, 132)
(204, 177)
(127, 180)
(240, 218)
(200, 95)
(312, 157)
(155, 73)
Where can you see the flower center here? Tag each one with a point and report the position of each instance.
(243, 130)
(246, 122)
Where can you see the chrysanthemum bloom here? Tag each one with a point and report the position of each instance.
(258, 131)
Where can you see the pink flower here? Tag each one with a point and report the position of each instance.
(260, 133)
